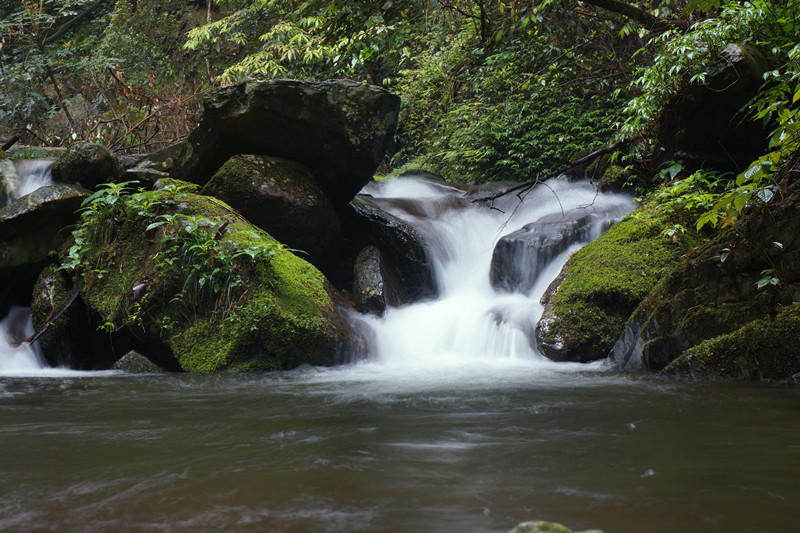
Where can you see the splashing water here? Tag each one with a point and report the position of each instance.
(33, 173)
(17, 357)
(471, 327)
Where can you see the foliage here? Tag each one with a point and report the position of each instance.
(190, 244)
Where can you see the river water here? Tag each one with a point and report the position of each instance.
(449, 421)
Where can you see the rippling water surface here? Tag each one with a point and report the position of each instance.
(374, 448)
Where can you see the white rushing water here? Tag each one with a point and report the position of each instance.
(33, 173)
(16, 357)
(472, 330)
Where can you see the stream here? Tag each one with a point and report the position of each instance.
(450, 420)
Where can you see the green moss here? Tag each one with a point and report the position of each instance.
(768, 348)
(606, 279)
(279, 313)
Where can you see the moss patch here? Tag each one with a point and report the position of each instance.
(768, 348)
(277, 313)
(604, 282)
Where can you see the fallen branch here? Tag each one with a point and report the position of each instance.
(9, 143)
(53, 316)
(525, 187)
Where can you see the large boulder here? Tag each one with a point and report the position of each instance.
(184, 279)
(520, 256)
(32, 228)
(586, 307)
(402, 248)
(713, 309)
(87, 164)
(66, 338)
(279, 196)
(705, 124)
(339, 129)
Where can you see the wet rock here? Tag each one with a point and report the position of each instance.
(369, 283)
(519, 257)
(704, 125)
(68, 341)
(87, 164)
(20, 151)
(33, 227)
(586, 307)
(712, 301)
(135, 363)
(279, 196)
(402, 247)
(339, 129)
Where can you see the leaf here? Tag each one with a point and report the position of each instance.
(765, 195)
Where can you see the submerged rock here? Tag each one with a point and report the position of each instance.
(546, 527)
(402, 247)
(208, 291)
(279, 196)
(87, 164)
(339, 129)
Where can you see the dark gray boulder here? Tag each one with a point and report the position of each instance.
(402, 247)
(68, 340)
(369, 281)
(705, 123)
(87, 164)
(339, 129)
(519, 257)
(135, 363)
(702, 319)
(35, 226)
(279, 196)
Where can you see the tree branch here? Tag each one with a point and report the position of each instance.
(70, 23)
(641, 16)
(522, 187)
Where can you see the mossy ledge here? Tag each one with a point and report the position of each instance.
(281, 312)
(587, 306)
(761, 349)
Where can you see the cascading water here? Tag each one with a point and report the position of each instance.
(25, 176)
(15, 355)
(20, 178)
(471, 325)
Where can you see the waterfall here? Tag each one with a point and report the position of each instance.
(24, 176)
(20, 178)
(471, 323)
(15, 355)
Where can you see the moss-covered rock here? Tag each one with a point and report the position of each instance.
(87, 164)
(136, 363)
(766, 348)
(279, 196)
(201, 289)
(705, 307)
(339, 129)
(587, 306)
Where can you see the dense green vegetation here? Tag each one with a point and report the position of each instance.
(492, 89)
